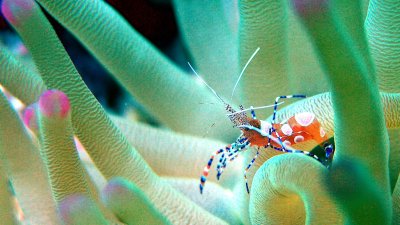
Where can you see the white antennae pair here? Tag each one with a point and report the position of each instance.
(237, 82)
(204, 82)
(244, 68)
(254, 108)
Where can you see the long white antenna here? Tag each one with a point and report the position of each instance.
(201, 79)
(254, 108)
(244, 68)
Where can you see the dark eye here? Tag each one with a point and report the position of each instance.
(328, 149)
(246, 129)
(328, 145)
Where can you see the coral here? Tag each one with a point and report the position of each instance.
(146, 175)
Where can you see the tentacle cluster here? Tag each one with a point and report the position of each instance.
(143, 168)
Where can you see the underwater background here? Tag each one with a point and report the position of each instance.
(102, 121)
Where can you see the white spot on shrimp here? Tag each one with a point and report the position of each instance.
(322, 132)
(287, 143)
(305, 118)
(298, 139)
(265, 126)
(286, 129)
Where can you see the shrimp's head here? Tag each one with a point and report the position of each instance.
(253, 136)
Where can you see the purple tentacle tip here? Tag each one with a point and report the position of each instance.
(309, 7)
(72, 205)
(15, 10)
(54, 103)
(116, 186)
(29, 117)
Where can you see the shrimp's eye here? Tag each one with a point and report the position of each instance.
(328, 150)
(246, 129)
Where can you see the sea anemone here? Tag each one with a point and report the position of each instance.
(137, 174)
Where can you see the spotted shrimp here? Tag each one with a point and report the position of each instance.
(263, 134)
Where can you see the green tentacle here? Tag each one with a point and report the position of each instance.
(25, 167)
(384, 38)
(20, 81)
(351, 85)
(263, 24)
(130, 204)
(80, 210)
(7, 216)
(101, 138)
(142, 69)
(211, 38)
(58, 150)
(288, 189)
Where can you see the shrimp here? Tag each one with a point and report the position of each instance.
(262, 134)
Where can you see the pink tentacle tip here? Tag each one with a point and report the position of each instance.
(15, 10)
(29, 116)
(116, 186)
(54, 103)
(310, 7)
(69, 206)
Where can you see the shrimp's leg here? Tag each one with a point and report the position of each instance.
(272, 129)
(294, 151)
(222, 161)
(248, 167)
(206, 169)
(239, 141)
(253, 114)
(232, 153)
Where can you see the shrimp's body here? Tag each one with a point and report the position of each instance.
(279, 136)
(262, 134)
(299, 128)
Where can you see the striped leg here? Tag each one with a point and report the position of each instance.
(221, 169)
(203, 178)
(273, 147)
(293, 151)
(274, 116)
(283, 149)
(305, 153)
(253, 114)
(277, 103)
(232, 155)
(290, 150)
(248, 167)
(222, 161)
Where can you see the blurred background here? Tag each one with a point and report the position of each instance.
(154, 19)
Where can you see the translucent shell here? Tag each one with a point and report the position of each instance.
(305, 127)
(299, 128)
